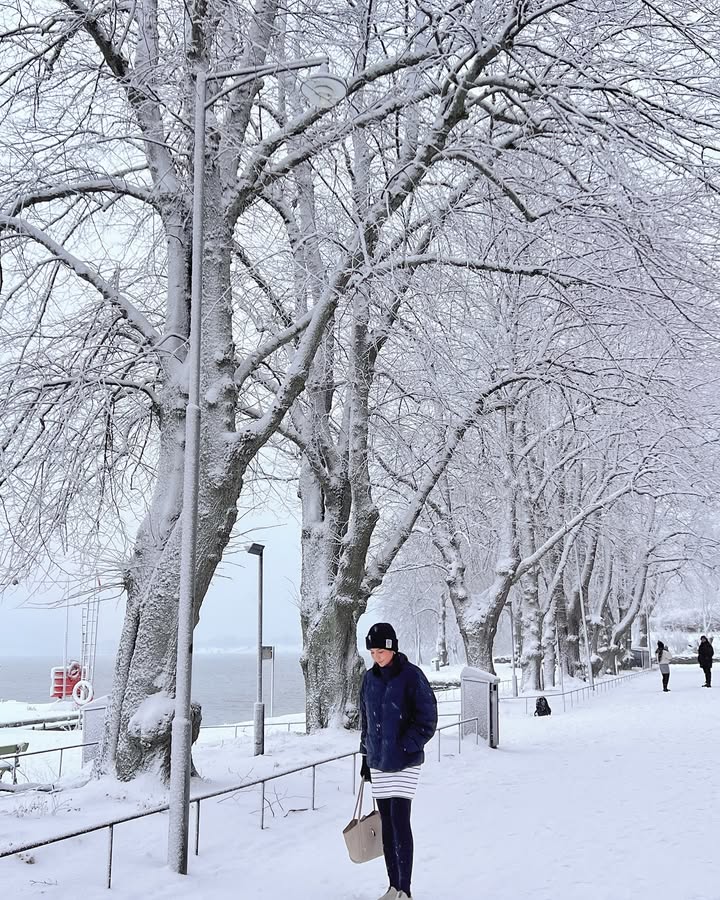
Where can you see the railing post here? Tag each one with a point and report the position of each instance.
(61, 762)
(197, 827)
(313, 787)
(262, 805)
(110, 854)
(459, 737)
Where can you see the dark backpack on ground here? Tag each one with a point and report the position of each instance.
(542, 707)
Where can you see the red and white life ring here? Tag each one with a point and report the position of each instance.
(82, 693)
(74, 670)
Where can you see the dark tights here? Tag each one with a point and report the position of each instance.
(397, 841)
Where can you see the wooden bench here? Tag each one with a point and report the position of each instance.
(11, 765)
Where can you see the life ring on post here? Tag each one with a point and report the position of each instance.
(82, 693)
(74, 670)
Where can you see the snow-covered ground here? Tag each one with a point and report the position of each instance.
(612, 800)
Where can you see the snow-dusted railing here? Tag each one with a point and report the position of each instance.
(52, 750)
(205, 727)
(70, 718)
(12, 849)
(110, 824)
(248, 726)
(576, 694)
(460, 735)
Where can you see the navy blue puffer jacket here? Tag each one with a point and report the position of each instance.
(398, 713)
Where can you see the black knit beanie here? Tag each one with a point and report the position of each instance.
(381, 637)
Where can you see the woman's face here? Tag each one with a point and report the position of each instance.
(382, 657)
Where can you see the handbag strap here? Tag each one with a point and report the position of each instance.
(358, 802)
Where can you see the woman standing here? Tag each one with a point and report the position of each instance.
(398, 713)
(705, 658)
(663, 658)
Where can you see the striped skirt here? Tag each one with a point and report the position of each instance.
(395, 784)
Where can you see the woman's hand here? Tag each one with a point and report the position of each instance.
(365, 770)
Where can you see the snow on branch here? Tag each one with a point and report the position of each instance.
(108, 185)
(141, 96)
(83, 271)
(253, 360)
(435, 469)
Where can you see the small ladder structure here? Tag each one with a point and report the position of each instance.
(90, 614)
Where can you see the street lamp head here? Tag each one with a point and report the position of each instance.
(323, 89)
(256, 549)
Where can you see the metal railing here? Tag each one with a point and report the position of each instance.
(250, 726)
(457, 725)
(59, 750)
(196, 800)
(59, 719)
(574, 695)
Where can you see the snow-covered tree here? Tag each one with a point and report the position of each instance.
(96, 230)
(556, 113)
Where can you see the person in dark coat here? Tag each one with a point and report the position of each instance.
(398, 713)
(664, 658)
(705, 658)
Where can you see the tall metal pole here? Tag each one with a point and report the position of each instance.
(180, 755)
(181, 734)
(512, 650)
(259, 716)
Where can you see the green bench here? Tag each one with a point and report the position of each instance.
(11, 765)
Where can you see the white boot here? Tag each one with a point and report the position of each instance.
(390, 894)
(401, 895)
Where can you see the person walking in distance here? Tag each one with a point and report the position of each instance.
(663, 658)
(398, 714)
(705, 658)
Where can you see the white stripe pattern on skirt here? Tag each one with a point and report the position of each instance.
(395, 784)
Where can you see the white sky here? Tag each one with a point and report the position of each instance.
(228, 616)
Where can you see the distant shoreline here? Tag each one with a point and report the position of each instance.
(110, 654)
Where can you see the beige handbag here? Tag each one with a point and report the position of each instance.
(363, 834)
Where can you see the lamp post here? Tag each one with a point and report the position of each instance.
(323, 91)
(259, 708)
(512, 649)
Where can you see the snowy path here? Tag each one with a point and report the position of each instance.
(613, 800)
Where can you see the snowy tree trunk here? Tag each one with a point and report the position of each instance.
(442, 651)
(332, 666)
(146, 658)
(572, 641)
(478, 614)
(531, 616)
(549, 643)
(478, 617)
(330, 662)
(561, 624)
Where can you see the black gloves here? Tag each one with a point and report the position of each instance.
(365, 770)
